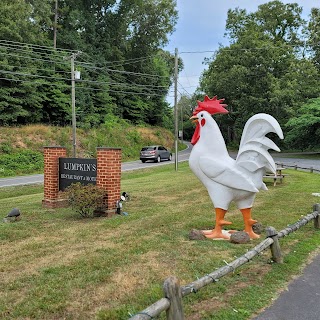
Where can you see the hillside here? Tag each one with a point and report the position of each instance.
(21, 147)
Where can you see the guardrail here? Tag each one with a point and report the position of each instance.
(173, 292)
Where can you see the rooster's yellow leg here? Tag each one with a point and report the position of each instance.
(217, 233)
(248, 223)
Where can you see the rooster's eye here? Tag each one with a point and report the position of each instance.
(201, 115)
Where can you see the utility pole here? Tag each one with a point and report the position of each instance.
(55, 25)
(181, 122)
(73, 103)
(176, 116)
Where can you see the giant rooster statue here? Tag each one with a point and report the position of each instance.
(227, 179)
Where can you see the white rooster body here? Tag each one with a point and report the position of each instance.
(227, 179)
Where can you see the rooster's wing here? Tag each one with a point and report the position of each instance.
(226, 174)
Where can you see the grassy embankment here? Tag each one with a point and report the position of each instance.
(21, 147)
(57, 265)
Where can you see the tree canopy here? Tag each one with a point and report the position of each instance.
(271, 65)
(118, 49)
(304, 127)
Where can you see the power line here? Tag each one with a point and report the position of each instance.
(30, 51)
(188, 93)
(118, 62)
(34, 68)
(245, 49)
(37, 53)
(88, 66)
(68, 72)
(84, 88)
(22, 47)
(127, 61)
(35, 46)
(32, 75)
(34, 59)
(149, 89)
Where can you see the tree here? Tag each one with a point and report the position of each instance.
(130, 33)
(124, 70)
(304, 128)
(19, 22)
(186, 105)
(276, 21)
(313, 33)
(262, 70)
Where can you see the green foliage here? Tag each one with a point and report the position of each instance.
(22, 162)
(6, 148)
(304, 129)
(313, 32)
(124, 71)
(112, 121)
(85, 199)
(264, 69)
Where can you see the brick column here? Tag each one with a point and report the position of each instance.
(109, 175)
(51, 176)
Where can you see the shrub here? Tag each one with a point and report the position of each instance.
(24, 161)
(85, 199)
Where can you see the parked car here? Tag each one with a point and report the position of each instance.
(155, 153)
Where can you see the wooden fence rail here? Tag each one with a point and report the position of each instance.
(172, 302)
(296, 167)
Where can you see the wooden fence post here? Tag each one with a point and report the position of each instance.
(311, 170)
(275, 246)
(172, 291)
(316, 207)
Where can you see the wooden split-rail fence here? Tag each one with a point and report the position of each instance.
(296, 167)
(173, 292)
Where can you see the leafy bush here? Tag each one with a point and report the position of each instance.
(304, 129)
(22, 162)
(85, 199)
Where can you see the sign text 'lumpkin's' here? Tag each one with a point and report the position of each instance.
(73, 170)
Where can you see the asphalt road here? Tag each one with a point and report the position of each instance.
(135, 165)
(300, 300)
(126, 166)
(302, 163)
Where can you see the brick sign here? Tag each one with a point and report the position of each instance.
(60, 172)
(73, 170)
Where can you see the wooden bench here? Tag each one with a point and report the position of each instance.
(278, 176)
(275, 178)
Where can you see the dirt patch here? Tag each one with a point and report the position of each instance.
(38, 253)
(122, 284)
(251, 273)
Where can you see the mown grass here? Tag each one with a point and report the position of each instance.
(57, 265)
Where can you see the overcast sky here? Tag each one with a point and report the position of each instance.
(201, 27)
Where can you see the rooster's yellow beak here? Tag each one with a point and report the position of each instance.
(194, 119)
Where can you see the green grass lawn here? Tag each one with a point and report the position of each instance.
(58, 265)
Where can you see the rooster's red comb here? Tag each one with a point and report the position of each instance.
(213, 106)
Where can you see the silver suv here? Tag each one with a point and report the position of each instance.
(155, 153)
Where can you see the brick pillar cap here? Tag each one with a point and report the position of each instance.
(54, 147)
(108, 148)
